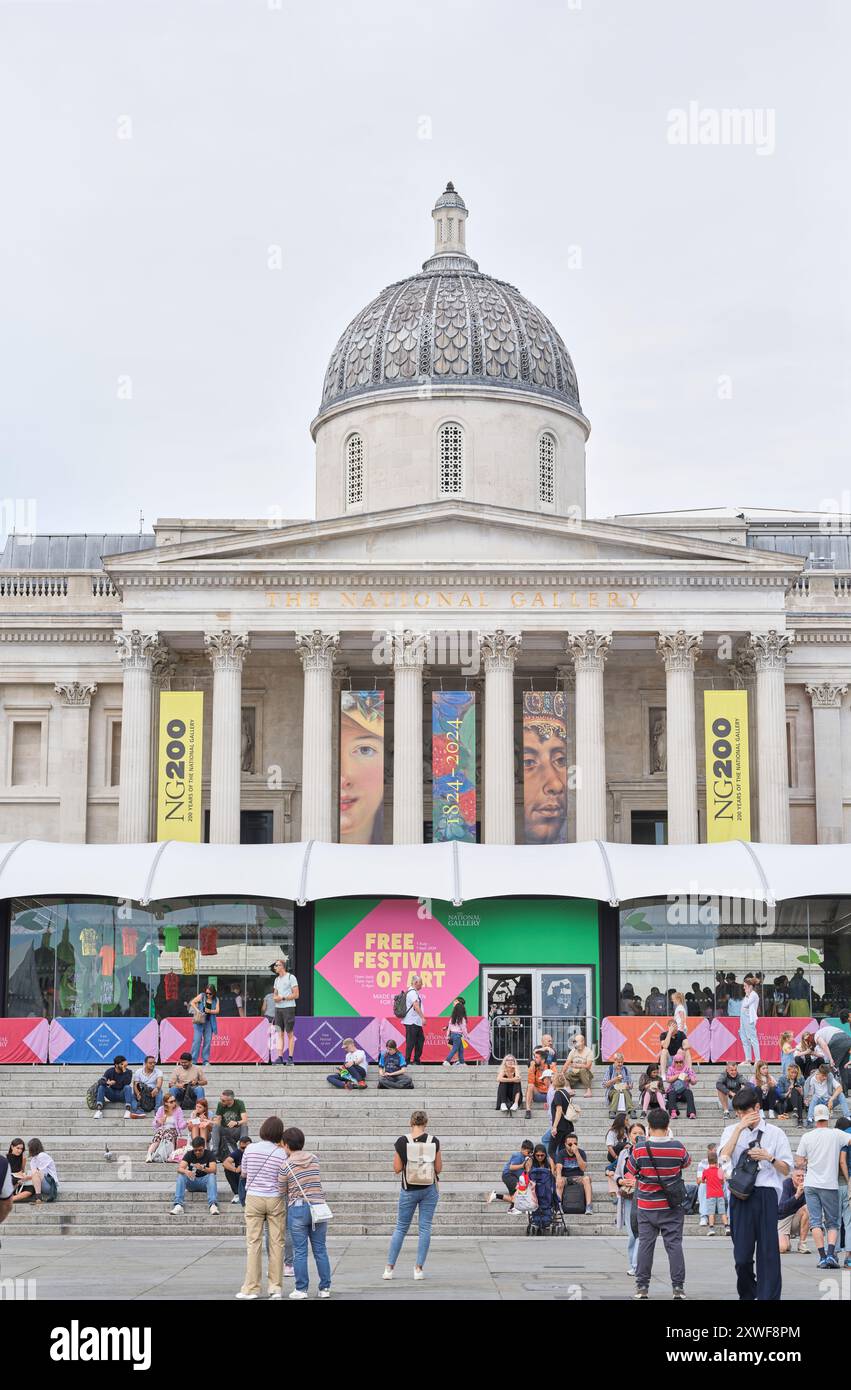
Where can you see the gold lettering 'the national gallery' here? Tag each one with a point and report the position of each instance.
(375, 599)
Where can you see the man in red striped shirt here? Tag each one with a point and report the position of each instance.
(656, 1165)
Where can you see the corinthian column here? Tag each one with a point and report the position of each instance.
(589, 651)
(227, 652)
(499, 652)
(74, 780)
(409, 652)
(827, 703)
(770, 653)
(679, 651)
(136, 652)
(317, 650)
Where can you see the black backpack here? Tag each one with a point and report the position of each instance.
(742, 1180)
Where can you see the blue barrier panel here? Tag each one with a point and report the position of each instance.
(98, 1040)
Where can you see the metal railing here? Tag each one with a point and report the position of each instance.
(519, 1034)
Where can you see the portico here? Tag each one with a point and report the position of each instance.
(299, 612)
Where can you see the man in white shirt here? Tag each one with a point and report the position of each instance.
(147, 1086)
(414, 1022)
(826, 1152)
(285, 990)
(823, 1087)
(753, 1221)
(747, 1020)
(834, 1043)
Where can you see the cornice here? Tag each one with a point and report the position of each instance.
(497, 577)
(51, 634)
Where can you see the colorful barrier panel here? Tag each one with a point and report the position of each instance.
(89, 1040)
(237, 1040)
(637, 1037)
(24, 1040)
(725, 1037)
(435, 1048)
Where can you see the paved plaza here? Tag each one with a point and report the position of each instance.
(207, 1267)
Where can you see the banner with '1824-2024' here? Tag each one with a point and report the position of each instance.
(728, 791)
(453, 765)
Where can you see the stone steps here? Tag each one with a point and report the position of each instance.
(353, 1133)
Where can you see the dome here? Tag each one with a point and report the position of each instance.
(450, 325)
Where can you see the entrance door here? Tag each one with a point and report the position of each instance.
(524, 1002)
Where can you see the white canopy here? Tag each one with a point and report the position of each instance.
(311, 870)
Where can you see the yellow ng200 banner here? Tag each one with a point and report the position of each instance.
(728, 788)
(181, 724)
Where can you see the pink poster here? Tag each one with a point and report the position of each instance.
(384, 951)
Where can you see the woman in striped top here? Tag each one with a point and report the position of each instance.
(262, 1168)
(303, 1185)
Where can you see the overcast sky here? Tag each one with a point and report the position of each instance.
(154, 150)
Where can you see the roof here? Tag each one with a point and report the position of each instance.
(68, 552)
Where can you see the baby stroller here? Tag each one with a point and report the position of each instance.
(547, 1218)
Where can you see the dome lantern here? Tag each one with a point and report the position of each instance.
(449, 215)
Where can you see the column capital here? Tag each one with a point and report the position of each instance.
(76, 693)
(679, 650)
(499, 649)
(826, 695)
(137, 649)
(409, 648)
(771, 649)
(589, 649)
(317, 649)
(227, 650)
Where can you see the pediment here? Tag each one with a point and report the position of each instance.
(447, 533)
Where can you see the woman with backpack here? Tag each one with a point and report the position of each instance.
(456, 1033)
(559, 1107)
(418, 1161)
(169, 1127)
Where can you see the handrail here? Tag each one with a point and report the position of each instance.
(524, 1031)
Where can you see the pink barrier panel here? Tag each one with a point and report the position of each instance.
(24, 1040)
(637, 1037)
(237, 1040)
(725, 1046)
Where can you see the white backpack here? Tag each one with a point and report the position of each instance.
(419, 1167)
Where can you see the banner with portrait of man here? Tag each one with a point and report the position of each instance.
(544, 767)
(362, 767)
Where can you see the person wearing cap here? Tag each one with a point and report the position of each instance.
(826, 1154)
(579, 1064)
(352, 1074)
(754, 1220)
(823, 1087)
(196, 1173)
(538, 1080)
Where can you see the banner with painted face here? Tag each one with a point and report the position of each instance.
(453, 765)
(544, 767)
(728, 790)
(362, 767)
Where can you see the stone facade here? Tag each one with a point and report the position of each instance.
(497, 585)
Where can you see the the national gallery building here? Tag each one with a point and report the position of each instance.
(451, 649)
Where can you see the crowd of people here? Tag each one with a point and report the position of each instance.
(786, 996)
(749, 1186)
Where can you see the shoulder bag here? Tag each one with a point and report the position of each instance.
(319, 1211)
(742, 1180)
(674, 1189)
